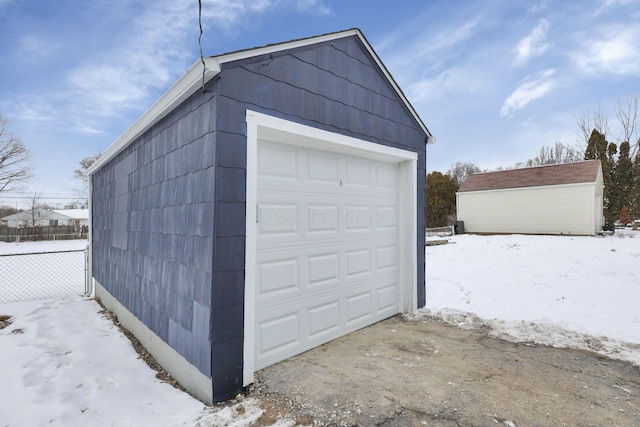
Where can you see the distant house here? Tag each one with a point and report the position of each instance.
(269, 202)
(48, 218)
(74, 217)
(554, 199)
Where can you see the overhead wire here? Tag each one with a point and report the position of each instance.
(204, 66)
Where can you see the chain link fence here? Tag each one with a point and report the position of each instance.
(37, 275)
(34, 234)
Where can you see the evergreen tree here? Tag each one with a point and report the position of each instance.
(623, 177)
(441, 199)
(613, 194)
(599, 148)
(596, 146)
(634, 193)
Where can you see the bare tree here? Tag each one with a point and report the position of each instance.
(459, 171)
(15, 167)
(81, 175)
(37, 211)
(554, 155)
(600, 123)
(628, 118)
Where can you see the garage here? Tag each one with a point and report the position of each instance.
(325, 241)
(270, 201)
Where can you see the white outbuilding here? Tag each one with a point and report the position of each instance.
(553, 199)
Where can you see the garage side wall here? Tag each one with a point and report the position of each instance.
(568, 209)
(334, 86)
(153, 225)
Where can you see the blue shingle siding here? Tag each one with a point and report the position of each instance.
(153, 225)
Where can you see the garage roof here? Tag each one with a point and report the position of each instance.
(196, 77)
(567, 173)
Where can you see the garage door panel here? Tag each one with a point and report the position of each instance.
(387, 298)
(325, 291)
(279, 333)
(386, 177)
(278, 218)
(386, 257)
(322, 168)
(358, 262)
(347, 241)
(277, 162)
(385, 217)
(324, 319)
(359, 307)
(358, 173)
(358, 218)
(323, 265)
(322, 218)
(327, 260)
(323, 268)
(277, 276)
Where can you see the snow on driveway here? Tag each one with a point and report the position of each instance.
(581, 292)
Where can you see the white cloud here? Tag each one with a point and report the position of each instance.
(459, 80)
(226, 14)
(616, 51)
(533, 44)
(313, 6)
(448, 38)
(86, 129)
(529, 89)
(607, 4)
(538, 6)
(122, 78)
(411, 56)
(129, 75)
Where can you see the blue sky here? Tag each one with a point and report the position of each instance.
(494, 80)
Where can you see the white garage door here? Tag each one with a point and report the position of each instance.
(326, 247)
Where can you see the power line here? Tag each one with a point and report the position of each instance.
(41, 197)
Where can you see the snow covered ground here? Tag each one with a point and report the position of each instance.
(579, 292)
(44, 246)
(62, 363)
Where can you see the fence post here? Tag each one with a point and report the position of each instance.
(86, 271)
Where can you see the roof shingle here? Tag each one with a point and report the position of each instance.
(566, 173)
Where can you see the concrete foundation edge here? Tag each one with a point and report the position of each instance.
(194, 381)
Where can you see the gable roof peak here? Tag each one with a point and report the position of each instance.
(205, 69)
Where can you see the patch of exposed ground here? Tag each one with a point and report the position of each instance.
(425, 372)
(406, 373)
(5, 320)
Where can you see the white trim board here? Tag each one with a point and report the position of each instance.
(268, 127)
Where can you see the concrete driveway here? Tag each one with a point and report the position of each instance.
(406, 373)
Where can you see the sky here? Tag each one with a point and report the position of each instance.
(493, 80)
(51, 369)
